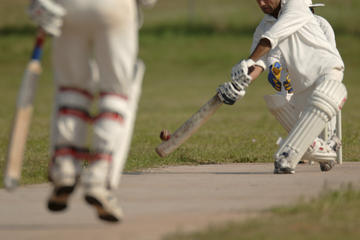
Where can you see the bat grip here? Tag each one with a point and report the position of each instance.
(39, 42)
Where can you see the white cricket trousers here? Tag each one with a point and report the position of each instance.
(105, 31)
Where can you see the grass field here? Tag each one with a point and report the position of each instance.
(189, 50)
(332, 216)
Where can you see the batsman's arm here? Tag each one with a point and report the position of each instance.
(189, 127)
(263, 47)
(22, 118)
(255, 72)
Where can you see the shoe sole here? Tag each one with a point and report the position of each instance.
(58, 201)
(102, 214)
(325, 167)
(284, 171)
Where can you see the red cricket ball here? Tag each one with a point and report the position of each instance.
(165, 135)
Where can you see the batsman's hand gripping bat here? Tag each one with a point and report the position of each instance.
(22, 119)
(189, 127)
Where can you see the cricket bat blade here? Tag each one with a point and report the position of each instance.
(21, 124)
(189, 127)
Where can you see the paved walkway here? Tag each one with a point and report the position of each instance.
(164, 200)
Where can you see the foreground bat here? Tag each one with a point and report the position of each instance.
(22, 119)
(189, 127)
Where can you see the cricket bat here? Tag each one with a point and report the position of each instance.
(23, 114)
(189, 127)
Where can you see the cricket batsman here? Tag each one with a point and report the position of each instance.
(85, 31)
(315, 67)
(325, 147)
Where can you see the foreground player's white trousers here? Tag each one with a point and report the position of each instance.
(104, 31)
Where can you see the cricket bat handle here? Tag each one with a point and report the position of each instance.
(189, 127)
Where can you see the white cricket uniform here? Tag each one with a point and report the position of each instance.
(303, 44)
(316, 69)
(275, 54)
(105, 31)
(283, 114)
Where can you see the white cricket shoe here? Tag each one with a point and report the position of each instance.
(324, 153)
(95, 182)
(283, 170)
(64, 175)
(327, 166)
(282, 166)
(105, 203)
(283, 163)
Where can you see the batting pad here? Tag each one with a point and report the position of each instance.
(325, 102)
(282, 110)
(329, 96)
(309, 126)
(71, 117)
(123, 147)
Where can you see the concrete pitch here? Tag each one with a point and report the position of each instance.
(160, 201)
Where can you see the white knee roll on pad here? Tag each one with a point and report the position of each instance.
(71, 131)
(329, 97)
(73, 98)
(70, 118)
(114, 103)
(282, 110)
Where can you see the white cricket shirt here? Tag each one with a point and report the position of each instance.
(304, 47)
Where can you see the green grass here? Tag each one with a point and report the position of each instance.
(188, 54)
(333, 215)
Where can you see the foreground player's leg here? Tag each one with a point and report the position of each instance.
(68, 139)
(115, 49)
(109, 129)
(71, 112)
(103, 176)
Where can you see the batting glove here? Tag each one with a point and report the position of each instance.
(48, 15)
(274, 76)
(287, 85)
(228, 93)
(239, 73)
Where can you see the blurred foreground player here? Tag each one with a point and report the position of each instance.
(107, 32)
